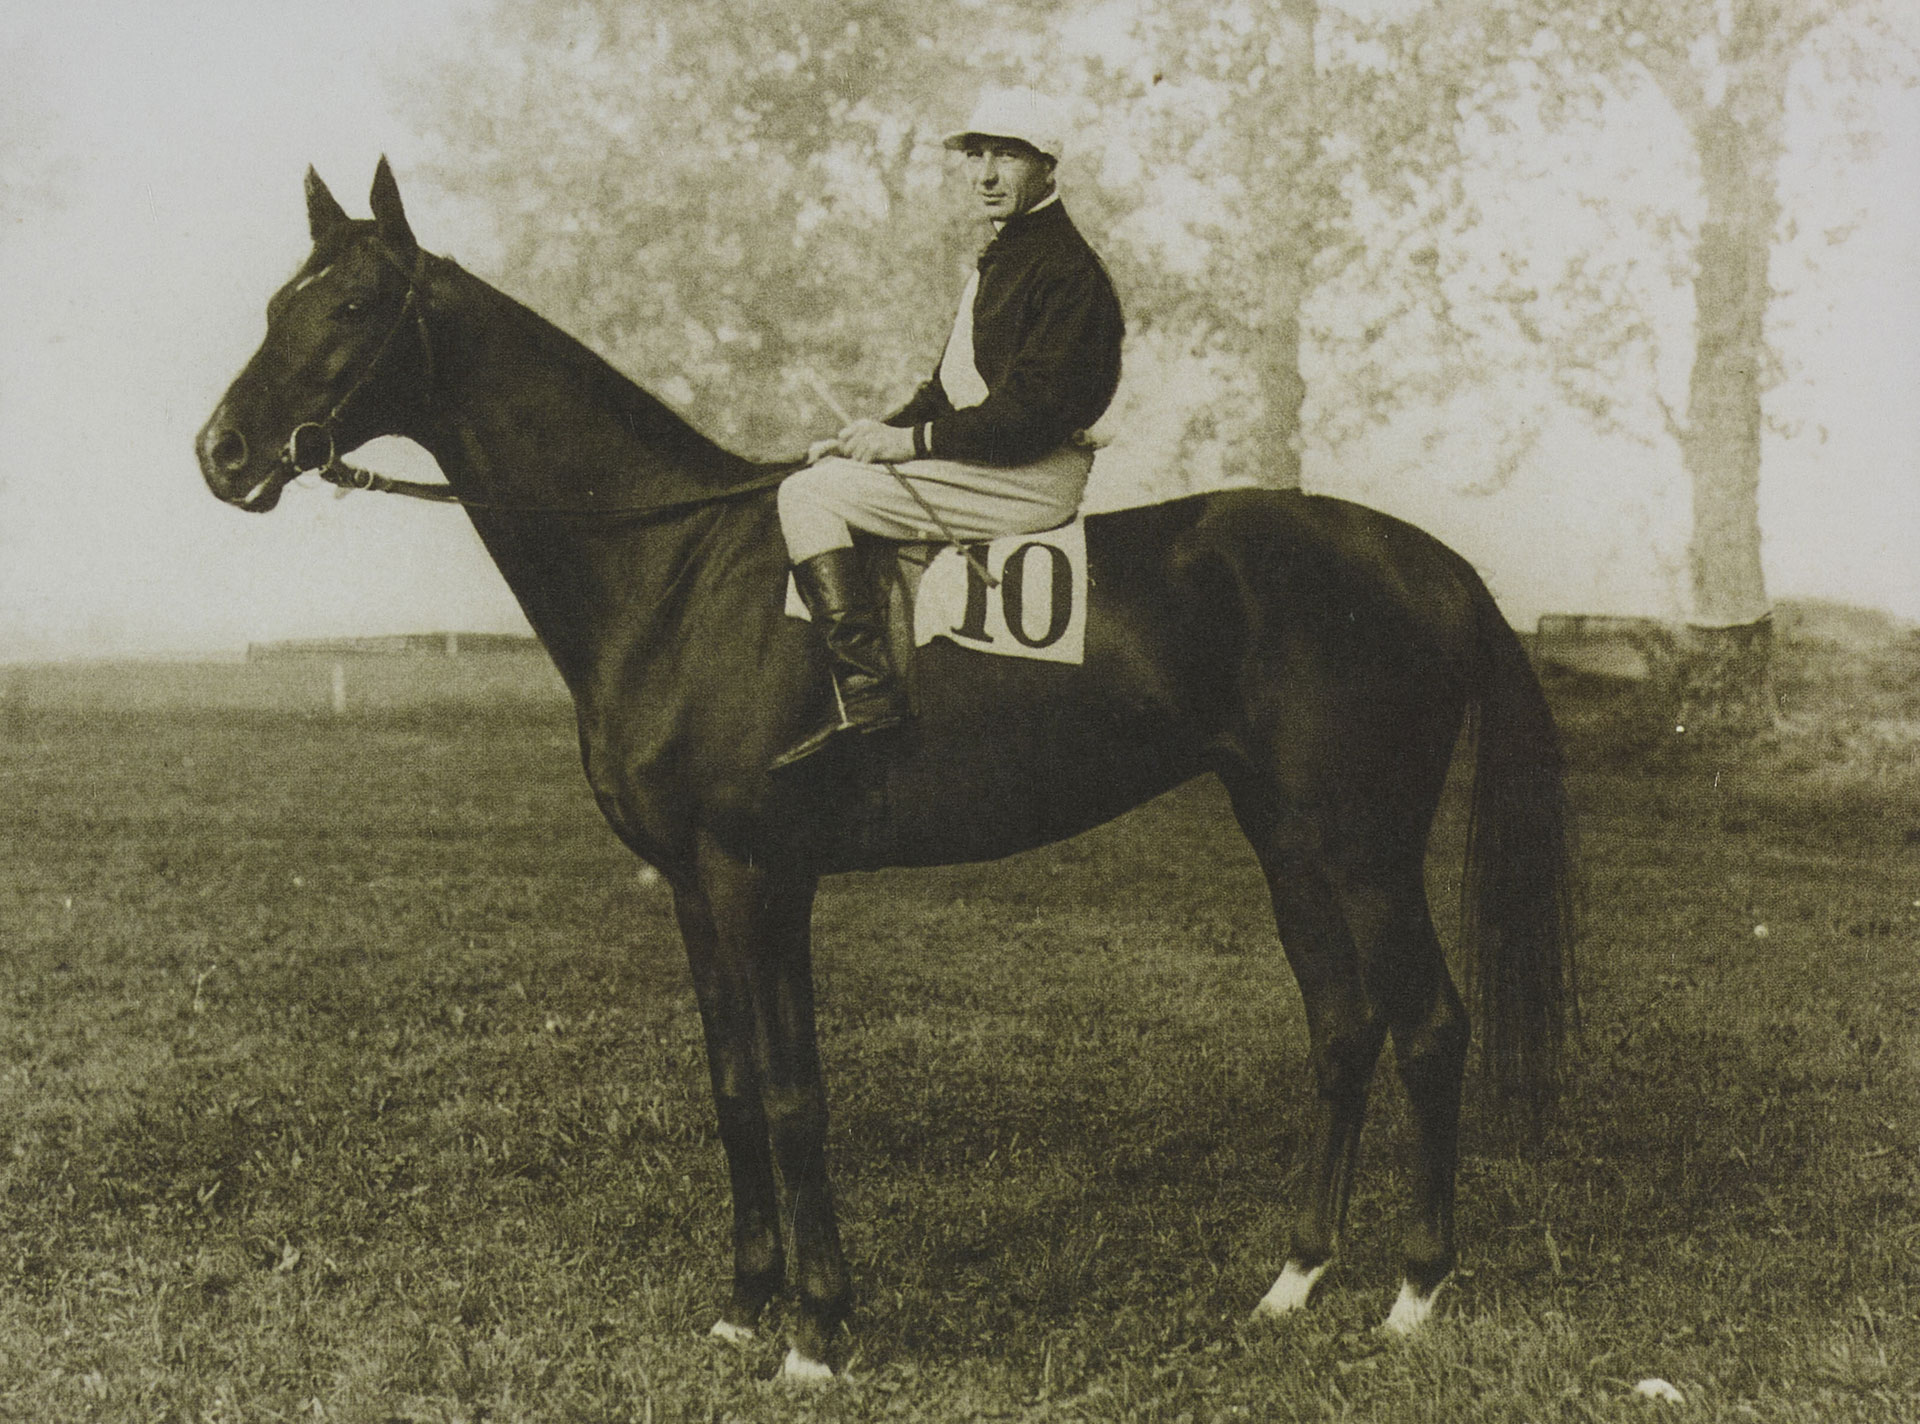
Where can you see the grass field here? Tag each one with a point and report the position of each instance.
(516, 683)
(350, 1072)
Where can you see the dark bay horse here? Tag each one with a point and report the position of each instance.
(1321, 659)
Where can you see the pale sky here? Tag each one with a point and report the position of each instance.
(180, 134)
(176, 136)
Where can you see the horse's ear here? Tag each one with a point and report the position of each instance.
(389, 217)
(323, 213)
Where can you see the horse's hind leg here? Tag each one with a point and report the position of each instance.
(1408, 991)
(1345, 1033)
(1372, 966)
(1359, 936)
(1430, 1034)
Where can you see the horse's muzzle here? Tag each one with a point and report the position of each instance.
(226, 463)
(226, 451)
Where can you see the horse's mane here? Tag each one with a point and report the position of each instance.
(652, 422)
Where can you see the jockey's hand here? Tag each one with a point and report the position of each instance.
(872, 443)
(820, 449)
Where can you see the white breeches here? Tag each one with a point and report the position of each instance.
(822, 505)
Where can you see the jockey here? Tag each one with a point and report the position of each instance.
(994, 442)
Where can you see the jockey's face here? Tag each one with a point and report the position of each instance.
(1008, 177)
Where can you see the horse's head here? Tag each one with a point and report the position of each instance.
(347, 353)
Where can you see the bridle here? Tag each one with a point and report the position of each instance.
(331, 467)
(339, 472)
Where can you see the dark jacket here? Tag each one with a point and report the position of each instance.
(1046, 340)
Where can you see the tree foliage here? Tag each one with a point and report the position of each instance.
(716, 195)
(720, 196)
(1321, 214)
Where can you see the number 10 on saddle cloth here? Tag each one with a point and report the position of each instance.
(1035, 606)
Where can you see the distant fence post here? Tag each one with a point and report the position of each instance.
(339, 689)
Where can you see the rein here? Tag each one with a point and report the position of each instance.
(338, 472)
(356, 477)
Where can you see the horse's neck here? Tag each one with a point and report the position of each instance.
(523, 415)
(531, 415)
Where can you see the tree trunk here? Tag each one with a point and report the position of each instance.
(1270, 454)
(1286, 207)
(1728, 677)
(1723, 680)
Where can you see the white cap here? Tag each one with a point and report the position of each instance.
(1022, 114)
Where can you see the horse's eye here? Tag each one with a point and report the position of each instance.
(350, 308)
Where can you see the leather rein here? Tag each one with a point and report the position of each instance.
(347, 476)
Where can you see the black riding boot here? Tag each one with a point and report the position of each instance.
(867, 693)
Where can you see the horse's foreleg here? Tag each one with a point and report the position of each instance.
(723, 983)
(771, 915)
(797, 1108)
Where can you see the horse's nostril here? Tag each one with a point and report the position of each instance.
(230, 450)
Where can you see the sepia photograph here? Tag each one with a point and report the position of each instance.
(1083, 710)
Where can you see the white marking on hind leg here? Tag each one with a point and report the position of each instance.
(731, 1333)
(1292, 1289)
(798, 1369)
(1411, 1310)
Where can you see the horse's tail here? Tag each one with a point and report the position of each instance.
(1516, 901)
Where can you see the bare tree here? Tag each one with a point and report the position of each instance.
(1725, 67)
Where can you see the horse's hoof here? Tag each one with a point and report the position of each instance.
(1411, 1310)
(798, 1369)
(1291, 1290)
(731, 1333)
